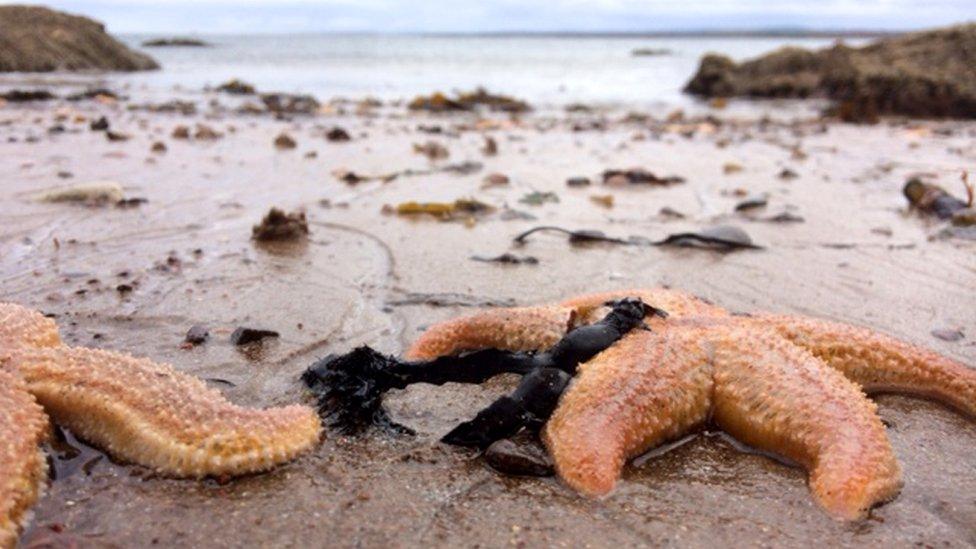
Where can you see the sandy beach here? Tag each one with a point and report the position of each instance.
(136, 278)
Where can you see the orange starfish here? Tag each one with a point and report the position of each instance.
(135, 409)
(789, 385)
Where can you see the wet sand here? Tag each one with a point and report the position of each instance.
(859, 257)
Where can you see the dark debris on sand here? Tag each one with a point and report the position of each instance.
(280, 226)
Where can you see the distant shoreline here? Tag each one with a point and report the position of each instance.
(691, 34)
(684, 34)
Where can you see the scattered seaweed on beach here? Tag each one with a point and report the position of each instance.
(186, 108)
(206, 133)
(932, 199)
(23, 96)
(538, 198)
(464, 208)
(432, 150)
(638, 176)
(752, 203)
(467, 101)
(285, 142)
(103, 95)
(237, 87)
(99, 125)
(490, 147)
(507, 259)
(575, 237)
(286, 103)
(495, 180)
(280, 226)
(246, 336)
(449, 300)
(605, 200)
(717, 238)
(337, 134)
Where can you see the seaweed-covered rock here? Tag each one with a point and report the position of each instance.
(38, 39)
(923, 74)
(286, 103)
(237, 87)
(278, 225)
(466, 101)
(175, 42)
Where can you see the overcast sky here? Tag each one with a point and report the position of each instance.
(244, 16)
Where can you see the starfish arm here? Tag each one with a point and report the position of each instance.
(512, 329)
(880, 363)
(537, 328)
(151, 414)
(22, 327)
(778, 397)
(22, 465)
(648, 388)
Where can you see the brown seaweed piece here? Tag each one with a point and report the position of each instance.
(278, 225)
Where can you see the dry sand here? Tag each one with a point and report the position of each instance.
(858, 257)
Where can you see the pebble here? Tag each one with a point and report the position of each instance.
(519, 457)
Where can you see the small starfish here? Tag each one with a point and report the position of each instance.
(789, 385)
(135, 409)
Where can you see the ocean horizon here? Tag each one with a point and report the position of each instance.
(544, 69)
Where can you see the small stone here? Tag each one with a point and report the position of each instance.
(243, 336)
(495, 180)
(578, 182)
(605, 200)
(197, 334)
(158, 147)
(99, 125)
(284, 141)
(788, 174)
(337, 134)
(948, 334)
(205, 132)
(491, 146)
(730, 168)
(181, 132)
(432, 150)
(752, 203)
(519, 457)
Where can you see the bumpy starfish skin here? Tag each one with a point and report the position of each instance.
(646, 389)
(517, 329)
(537, 328)
(150, 414)
(22, 465)
(788, 385)
(138, 410)
(881, 363)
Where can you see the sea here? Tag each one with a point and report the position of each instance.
(543, 69)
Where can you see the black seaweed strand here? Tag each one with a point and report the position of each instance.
(350, 387)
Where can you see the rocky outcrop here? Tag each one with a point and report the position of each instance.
(175, 42)
(924, 74)
(37, 39)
